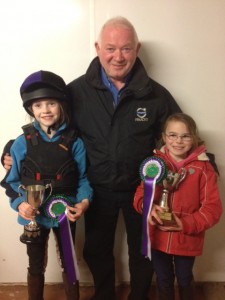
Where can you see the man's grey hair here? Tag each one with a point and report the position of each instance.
(119, 22)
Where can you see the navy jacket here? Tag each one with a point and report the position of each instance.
(118, 139)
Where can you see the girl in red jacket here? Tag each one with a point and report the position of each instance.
(195, 205)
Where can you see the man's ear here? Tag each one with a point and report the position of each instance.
(97, 47)
(138, 48)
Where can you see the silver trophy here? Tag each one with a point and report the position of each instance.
(170, 184)
(35, 195)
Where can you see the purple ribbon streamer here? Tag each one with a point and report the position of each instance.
(149, 191)
(69, 255)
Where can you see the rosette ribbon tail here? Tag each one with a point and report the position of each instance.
(149, 191)
(71, 266)
(152, 171)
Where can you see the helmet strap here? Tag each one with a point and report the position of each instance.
(49, 129)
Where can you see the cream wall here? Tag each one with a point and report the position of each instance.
(183, 47)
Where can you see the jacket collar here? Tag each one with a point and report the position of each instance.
(43, 134)
(139, 83)
(197, 154)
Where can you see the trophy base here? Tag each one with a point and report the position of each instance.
(167, 219)
(31, 236)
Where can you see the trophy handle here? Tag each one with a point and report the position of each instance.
(21, 187)
(182, 175)
(48, 186)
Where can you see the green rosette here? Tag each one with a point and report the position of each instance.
(152, 171)
(153, 167)
(56, 205)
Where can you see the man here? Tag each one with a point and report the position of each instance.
(119, 112)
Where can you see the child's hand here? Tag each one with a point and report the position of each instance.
(154, 219)
(75, 212)
(26, 211)
(177, 227)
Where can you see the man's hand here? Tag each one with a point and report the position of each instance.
(7, 161)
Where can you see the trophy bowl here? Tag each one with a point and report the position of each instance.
(35, 195)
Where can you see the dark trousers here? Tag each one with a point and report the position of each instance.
(168, 266)
(100, 226)
(38, 253)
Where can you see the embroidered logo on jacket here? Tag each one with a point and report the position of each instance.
(141, 115)
(191, 171)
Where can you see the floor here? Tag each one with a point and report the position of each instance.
(205, 291)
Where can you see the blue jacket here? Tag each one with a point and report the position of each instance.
(12, 180)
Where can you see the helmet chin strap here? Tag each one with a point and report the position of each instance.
(52, 127)
(49, 130)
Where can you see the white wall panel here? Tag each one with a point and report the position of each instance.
(183, 48)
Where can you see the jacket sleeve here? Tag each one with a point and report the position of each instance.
(138, 198)
(139, 195)
(6, 150)
(12, 180)
(84, 190)
(210, 209)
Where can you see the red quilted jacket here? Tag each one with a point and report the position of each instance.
(196, 202)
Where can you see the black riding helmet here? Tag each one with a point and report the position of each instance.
(42, 84)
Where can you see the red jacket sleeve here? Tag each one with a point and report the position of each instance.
(138, 198)
(210, 209)
(139, 195)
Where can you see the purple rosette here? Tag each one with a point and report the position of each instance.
(56, 205)
(152, 171)
(153, 167)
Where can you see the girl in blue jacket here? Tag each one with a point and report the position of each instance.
(48, 156)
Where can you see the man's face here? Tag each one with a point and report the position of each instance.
(117, 52)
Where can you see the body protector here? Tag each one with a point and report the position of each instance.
(50, 163)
